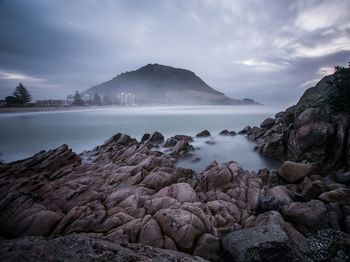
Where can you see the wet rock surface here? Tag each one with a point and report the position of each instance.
(126, 201)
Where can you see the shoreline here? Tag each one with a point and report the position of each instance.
(5, 110)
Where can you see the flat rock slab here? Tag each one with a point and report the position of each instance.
(83, 247)
(262, 243)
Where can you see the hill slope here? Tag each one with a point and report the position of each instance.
(159, 84)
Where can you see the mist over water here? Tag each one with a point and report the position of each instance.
(24, 134)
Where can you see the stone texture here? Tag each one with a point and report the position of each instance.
(263, 243)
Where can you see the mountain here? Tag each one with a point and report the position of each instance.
(160, 84)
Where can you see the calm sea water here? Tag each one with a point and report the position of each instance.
(23, 134)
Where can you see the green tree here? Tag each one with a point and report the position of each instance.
(97, 100)
(339, 97)
(77, 101)
(22, 95)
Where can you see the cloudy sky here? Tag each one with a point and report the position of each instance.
(267, 50)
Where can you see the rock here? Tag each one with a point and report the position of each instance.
(294, 172)
(145, 137)
(262, 243)
(226, 132)
(208, 247)
(158, 179)
(347, 224)
(156, 138)
(340, 196)
(181, 149)
(172, 141)
(281, 193)
(245, 130)
(83, 247)
(210, 142)
(267, 123)
(313, 189)
(204, 133)
(182, 226)
(214, 177)
(306, 216)
(343, 178)
(151, 234)
(182, 192)
(297, 238)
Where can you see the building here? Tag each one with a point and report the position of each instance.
(51, 103)
(86, 98)
(126, 99)
(3, 103)
(70, 99)
(130, 99)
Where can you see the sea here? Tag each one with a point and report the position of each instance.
(24, 134)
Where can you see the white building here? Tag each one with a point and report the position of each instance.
(126, 99)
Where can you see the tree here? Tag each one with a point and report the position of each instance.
(12, 101)
(22, 95)
(97, 100)
(339, 97)
(77, 101)
(107, 100)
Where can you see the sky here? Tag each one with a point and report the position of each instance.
(268, 50)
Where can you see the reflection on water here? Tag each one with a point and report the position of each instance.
(23, 134)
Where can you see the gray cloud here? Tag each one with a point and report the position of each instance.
(268, 50)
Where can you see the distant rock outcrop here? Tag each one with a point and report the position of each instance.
(165, 85)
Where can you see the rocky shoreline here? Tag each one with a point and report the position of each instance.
(128, 201)
(125, 192)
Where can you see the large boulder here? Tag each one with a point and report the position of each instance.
(181, 226)
(261, 243)
(340, 196)
(208, 247)
(308, 216)
(294, 172)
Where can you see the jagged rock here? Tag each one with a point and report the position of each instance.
(226, 132)
(294, 172)
(145, 137)
(156, 138)
(181, 149)
(267, 123)
(340, 196)
(204, 133)
(263, 243)
(307, 216)
(245, 130)
(172, 141)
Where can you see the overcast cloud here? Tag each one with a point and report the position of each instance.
(267, 50)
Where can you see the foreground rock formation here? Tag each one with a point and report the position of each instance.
(124, 197)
